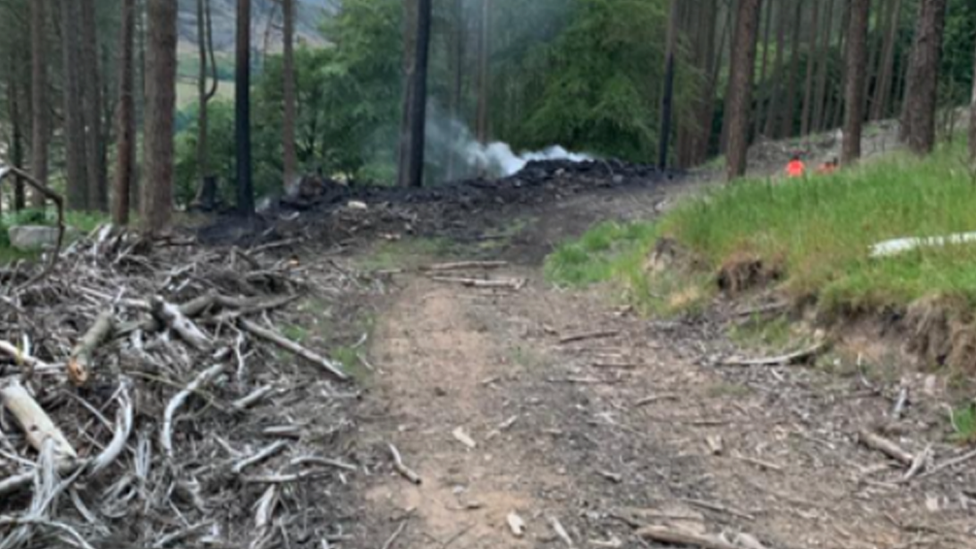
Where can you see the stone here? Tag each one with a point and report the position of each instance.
(33, 238)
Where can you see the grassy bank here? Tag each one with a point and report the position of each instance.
(815, 233)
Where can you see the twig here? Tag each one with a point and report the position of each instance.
(918, 464)
(166, 433)
(81, 355)
(782, 360)
(680, 537)
(246, 402)
(123, 428)
(293, 347)
(262, 455)
(500, 283)
(947, 464)
(655, 398)
(405, 471)
(172, 317)
(885, 446)
(396, 534)
(462, 265)
(900, 404)
(59, 203)
(603, 334)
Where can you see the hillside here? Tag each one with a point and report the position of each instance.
(310, 13)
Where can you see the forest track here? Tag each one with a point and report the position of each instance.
(638, 427)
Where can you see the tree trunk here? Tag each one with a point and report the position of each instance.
(740, 87)
(875, 46)
(242, 109)
(484, 73)
(833, 112)
(456, 52)
(882, 94)
(667, 97)
(856, 75)
(126, 122)
(764, 87)
(412, 134)
(707, 112)
(157, 189)
(16, 137)
(921, 93)
(288, 123)
(74, 106)
(205, 90)
(92, 93)
(775, 91)
(811, 65)
(40, 110)
(789, 120)
(821, 96)
(972, 117)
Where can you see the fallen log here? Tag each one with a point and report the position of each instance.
(35, 422)
(671, 536)
(166, 433)
(292, 347)
(171, 316)
(487, 283)
(81, 355)
(885, 446)
(463, 265)
(781, 360)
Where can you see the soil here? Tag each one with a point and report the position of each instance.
(643, 426)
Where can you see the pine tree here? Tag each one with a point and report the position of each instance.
(921, 93)
(412, 132)
(205, 90)
(74, 118)
(739, 95)
(126, 121)
(288, 93)
(856, 75)
(242, 109)
(811, 65)
(157, 190)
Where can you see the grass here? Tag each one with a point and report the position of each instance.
(964, 424)
(819, 230)
(404, 254)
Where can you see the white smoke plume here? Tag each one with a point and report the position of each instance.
(496, 159)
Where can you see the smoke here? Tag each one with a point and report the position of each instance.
(450, 142)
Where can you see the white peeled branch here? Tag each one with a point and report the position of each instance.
(35, 422)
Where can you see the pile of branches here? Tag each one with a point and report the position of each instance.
(149, 399)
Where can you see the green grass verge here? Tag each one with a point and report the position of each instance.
(82, 221)
(820, 230)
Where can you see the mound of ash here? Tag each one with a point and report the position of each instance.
(335, 212)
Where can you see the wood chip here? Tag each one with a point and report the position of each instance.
(515, 524)
(464, 438)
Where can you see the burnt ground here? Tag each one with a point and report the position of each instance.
(642, 427)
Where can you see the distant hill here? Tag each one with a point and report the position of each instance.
(310, 14)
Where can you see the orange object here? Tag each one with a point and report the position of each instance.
(795, 168)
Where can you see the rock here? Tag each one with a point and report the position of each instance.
(32, 238)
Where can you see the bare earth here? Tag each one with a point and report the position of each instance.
(640, 427)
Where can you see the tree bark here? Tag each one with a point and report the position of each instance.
(811, 65)
(288, 123)
(157, 189)
(921, 93)
(456, 52)
(92, 93)
(875, 47)
(242, 109)
(833, 112)
(740, 87)
(789, 119)
(824, 66)
(484, 73)
(882, 95)
(972, 117)
(856, 75)
(40, 110)
(126, 121)
(205, 90)
(707, 108)
(412, 134)
(667, 97)
(775, 91)
(74, 106)
(763, 86)
(16, 135)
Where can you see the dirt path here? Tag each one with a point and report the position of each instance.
(638, 427)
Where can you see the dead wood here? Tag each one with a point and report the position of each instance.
(21, 357)
(885, 446)
(404, 471)
(602, 334)
(672, 536)
(171, 316)
(464, 265)
(781, 360)
(59, 203)
(947, 464)
(166, 433)
(293, 348)
(514, 284)
(36, 424)
(81, 356)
